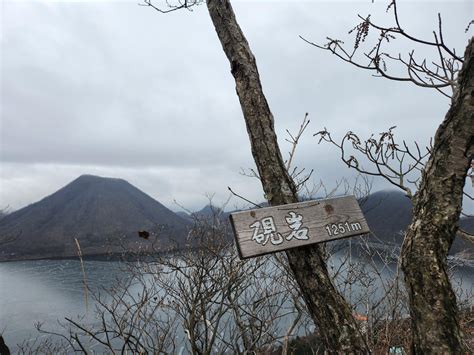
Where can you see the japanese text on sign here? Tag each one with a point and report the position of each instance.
(277, 228)
(264, 230)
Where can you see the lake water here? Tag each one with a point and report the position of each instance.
(46, 291)
(49, 290)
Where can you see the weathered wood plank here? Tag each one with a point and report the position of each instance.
(268, 230)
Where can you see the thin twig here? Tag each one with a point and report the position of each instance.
(243, 198)
(79, 253)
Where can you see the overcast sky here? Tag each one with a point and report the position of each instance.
(115, 89)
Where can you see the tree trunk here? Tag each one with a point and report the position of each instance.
(436, 210)
(327, 307)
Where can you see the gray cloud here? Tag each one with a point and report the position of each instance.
(116, 89)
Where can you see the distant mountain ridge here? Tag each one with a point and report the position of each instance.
(389, 214)
(104, 214)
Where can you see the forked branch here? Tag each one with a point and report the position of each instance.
(439, 74)
(393, 161)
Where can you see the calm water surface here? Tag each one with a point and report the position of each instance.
(46, 291)
(49, 290)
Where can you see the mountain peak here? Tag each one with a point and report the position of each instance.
(95, 178)
(95, 210)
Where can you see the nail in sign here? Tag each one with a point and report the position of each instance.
(268, 230)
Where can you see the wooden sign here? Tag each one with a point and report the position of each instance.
(268, 230)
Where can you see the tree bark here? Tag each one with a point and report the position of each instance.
(436, 210)
(327, 307)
